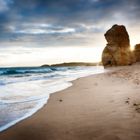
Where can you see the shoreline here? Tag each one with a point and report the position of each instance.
(81, 111)
(68, 84)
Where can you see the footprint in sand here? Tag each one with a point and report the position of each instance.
(60, 100)
(137, 107)
(96, 84)
(127, 101)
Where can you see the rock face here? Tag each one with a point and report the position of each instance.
(137, 52)
(117, 51)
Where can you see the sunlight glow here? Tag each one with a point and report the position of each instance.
(132, 48)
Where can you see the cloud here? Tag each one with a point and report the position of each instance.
(41, 29)
(65, 22)
(4, 5)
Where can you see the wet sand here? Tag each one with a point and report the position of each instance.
(98, 107)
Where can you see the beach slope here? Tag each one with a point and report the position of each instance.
(98, 107)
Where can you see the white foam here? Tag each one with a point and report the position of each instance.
(37, 92)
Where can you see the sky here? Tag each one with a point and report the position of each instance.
(36, 32)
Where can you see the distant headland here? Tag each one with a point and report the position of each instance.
(70, 64)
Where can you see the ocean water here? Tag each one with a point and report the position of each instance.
(23, 91)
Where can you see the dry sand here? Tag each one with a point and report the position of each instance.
(99, 107)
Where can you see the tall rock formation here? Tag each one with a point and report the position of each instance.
(117, 51)
(137, 52)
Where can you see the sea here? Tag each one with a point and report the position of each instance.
(25, 90)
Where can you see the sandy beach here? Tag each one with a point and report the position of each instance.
(98, 107)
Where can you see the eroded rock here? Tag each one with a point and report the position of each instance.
(117, 51)
(137, 52)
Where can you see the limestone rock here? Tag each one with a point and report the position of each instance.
(137, 52)
(117, 51)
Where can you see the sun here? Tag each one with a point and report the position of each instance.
(132, 48)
